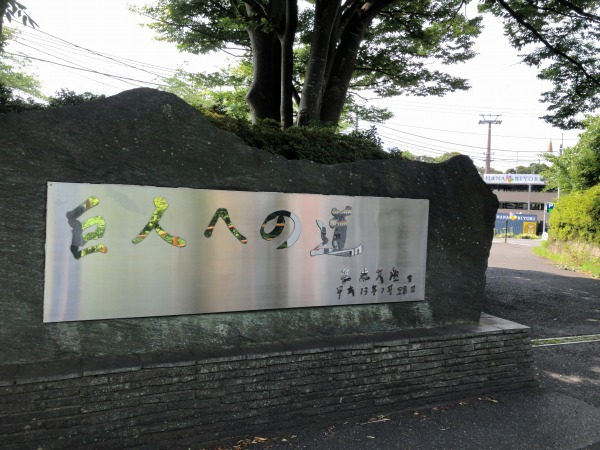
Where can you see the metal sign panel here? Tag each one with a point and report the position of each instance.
(115, 251)
(519, 216)
(529, 227)
(514, 178)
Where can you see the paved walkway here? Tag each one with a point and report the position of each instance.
(564, 413)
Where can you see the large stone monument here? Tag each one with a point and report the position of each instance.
(239, 360)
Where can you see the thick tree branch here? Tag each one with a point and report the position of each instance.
(521, 21)
(258, 7)
(579, 10)
(348, 10)
(212, 37)
(346, 56)
(296, 95)
(573, 13)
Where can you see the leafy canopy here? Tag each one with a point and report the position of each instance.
(578, 167)
(318, 52)
(386, 46)
(13, 69)
(562, 39)
(531, 168)
(576, 216)
(13, 10)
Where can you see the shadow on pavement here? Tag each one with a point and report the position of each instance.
(552, 305)
(572, 369)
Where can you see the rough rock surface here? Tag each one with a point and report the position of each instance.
(147, 137)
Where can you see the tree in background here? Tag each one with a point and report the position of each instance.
(578, 167)
(65, 97)
(531, 168)
(396, 152)
(317, 54)
(223, 92)
(18, 88)
(575, 219)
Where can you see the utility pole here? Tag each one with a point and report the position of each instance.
(489, 121)
(562, 139)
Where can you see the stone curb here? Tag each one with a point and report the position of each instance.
(79, 367)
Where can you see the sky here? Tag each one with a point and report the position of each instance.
(101, 47)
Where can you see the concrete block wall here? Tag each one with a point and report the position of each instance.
(201, 400)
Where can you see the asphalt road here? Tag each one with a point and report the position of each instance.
(563, 414)
(527, 289)
(554, 302)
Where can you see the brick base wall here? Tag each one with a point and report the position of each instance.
(194, 400)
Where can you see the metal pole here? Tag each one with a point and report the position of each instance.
(544, 223)
(488, 155)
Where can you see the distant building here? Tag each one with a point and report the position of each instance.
(520, 194)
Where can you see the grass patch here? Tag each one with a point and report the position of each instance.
(527, 236)
(515, 236)
(569, 259)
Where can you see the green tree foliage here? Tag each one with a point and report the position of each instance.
(316, 54)
(13, 10)
(65, 97)
(578, 167)
(13, 69)
(17, 87)
(446, 156)
(11, 102)
(223, 92)
(576, 216)
(531, 168)
(396, 152)
(561, 38)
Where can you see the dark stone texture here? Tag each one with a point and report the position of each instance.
(148, 137)
(49, 370)
(258, 394)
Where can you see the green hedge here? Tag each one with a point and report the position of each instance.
(320, 144)
(576, 217)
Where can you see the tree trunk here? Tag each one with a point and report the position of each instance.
(344, 63)
(326, 14)
(287, 63)
(263, 97)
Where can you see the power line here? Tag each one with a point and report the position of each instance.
(118, 77)
(71, 48)
(467, 109)
(97, 53)
(470, 132)
(432, 149)
(76, 66)
(454, 143)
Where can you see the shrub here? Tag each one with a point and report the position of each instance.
(318, 143)
(576, 217)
